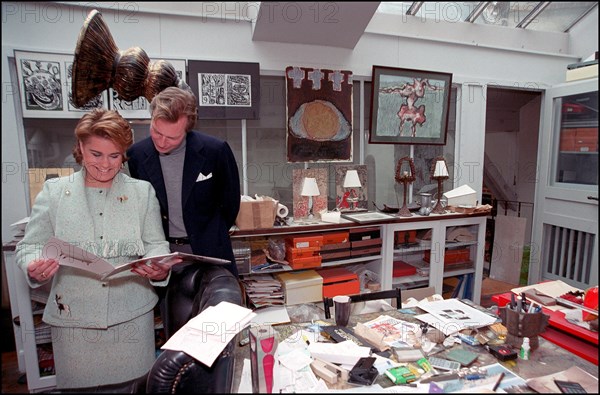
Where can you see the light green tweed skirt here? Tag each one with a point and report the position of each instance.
(92, 357)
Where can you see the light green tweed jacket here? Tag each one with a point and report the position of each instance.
(131, 229)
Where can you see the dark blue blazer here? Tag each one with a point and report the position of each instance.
(210, 207)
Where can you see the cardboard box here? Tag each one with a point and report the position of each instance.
(301, 287)
(256, 215)
(339, 281)
(464, 195)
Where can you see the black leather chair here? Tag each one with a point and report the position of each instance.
(191, 289)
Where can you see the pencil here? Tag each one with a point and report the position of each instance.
(498, 381)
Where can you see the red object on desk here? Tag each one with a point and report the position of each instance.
(571, 337)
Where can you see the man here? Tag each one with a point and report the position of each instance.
(195, 177)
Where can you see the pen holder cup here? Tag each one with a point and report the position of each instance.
(519, 325)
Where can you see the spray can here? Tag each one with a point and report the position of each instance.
(525, 349)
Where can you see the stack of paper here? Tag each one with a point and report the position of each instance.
(451, 316)
(264, 290)
(205, 336)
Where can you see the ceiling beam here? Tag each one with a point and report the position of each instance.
(537, 10)
(477, 11)
(414, 7)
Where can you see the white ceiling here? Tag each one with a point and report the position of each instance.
(335, 24)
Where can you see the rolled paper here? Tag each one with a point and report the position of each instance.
(282, 211)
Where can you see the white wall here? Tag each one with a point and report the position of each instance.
(516, 61)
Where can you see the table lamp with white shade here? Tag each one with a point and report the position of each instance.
(351, 181)
(310, 189)
(439, 173)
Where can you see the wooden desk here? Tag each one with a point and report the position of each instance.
(547, 359)
(571, 337)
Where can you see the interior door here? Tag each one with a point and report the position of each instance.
(565, 225)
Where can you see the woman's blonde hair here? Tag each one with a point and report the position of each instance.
(103, 123)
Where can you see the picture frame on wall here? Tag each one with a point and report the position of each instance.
(140, 107)
(225, 90)
(319, 114)
(409, 106)
(45, 86)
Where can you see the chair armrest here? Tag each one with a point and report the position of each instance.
(177, 372)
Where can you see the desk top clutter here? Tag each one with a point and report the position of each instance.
(432, 345)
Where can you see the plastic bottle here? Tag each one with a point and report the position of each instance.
(525, 349)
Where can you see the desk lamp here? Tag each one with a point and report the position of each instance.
(310, 189)
(352, 181)
(405, 173)
(439, 173)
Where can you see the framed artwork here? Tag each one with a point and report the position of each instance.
(140, 107)
(301, 203)
(355, 194)
(318, 114)
(225, 90)
(409, 106)
(45, 86)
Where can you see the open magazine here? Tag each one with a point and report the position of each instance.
(68, 254)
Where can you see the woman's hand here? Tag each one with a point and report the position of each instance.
(153, 270)
(41, 269)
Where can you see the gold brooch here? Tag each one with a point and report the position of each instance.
(67, 192)
(122, 198)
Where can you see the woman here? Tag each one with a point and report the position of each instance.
(102, 331)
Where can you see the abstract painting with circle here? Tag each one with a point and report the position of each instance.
(319, 114)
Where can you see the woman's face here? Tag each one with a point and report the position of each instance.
(102, 159)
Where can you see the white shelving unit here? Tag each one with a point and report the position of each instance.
(26, 343)
(437, 246)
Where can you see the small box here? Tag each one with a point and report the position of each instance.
(365, 233)
(301, 287)
(459, 255)
(405, 237)
(333, 255)
(336, 238)
(402, 268)
(308, 262)
(339, 281)
(304, 241)
(256, 215)
(291, 253)
(464, 195)
(366, 247)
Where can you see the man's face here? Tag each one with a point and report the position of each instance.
(167, 136)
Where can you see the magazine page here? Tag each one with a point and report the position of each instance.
(205, 336)
(389, 331)
(168, 260)
(68, 254)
